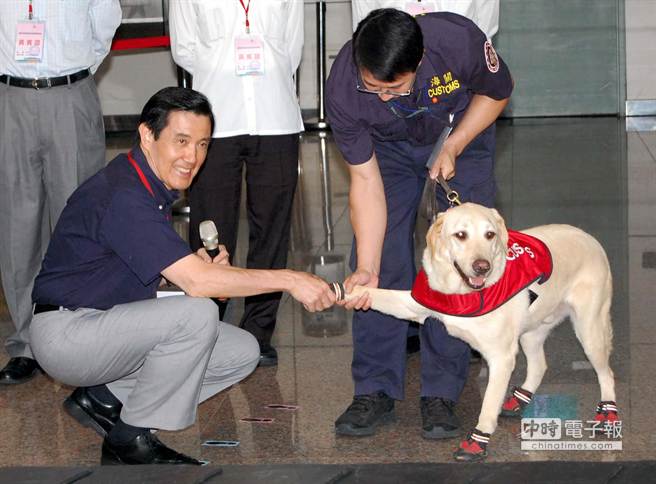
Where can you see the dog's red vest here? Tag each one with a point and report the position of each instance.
(527, 260)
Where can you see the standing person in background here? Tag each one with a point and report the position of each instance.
(484, 13)
(53, 138)
(243, 56)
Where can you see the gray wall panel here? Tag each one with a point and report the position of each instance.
(563, 54)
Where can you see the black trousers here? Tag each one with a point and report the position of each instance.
(271, 164)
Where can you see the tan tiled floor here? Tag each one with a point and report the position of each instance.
(587, 172)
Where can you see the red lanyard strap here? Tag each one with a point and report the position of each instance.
(142, 177)
(246, 8)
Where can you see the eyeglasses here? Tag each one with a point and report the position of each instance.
(385, 92)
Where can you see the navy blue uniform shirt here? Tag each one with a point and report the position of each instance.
(458, 62)
(112, 241)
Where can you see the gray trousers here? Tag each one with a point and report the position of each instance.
(159, 357)
(51, 140)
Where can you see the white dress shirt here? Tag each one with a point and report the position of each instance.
(78, 35)
(203, 36)
(484, 13)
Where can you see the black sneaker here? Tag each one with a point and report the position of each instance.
(437, 418)
(365, 414)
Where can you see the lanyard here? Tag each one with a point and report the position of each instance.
(144, 180)
(30, 11)
(142, 177)
(395, 107)
(246, 8)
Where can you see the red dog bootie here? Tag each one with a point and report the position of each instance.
(473, 448)
(607, 412)
(516, 403)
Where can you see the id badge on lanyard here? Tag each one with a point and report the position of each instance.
(249, 49)
(418, 8)
(249, 55)
(30, 38)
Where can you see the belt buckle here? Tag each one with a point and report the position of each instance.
(35, 83)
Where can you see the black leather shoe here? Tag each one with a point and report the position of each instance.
(365, 414)
(268, 355)
(91, 412)
(438, 421)
(143, 449)
(19, 370)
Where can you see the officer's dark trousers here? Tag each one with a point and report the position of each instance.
(271, 173)
(379, 341)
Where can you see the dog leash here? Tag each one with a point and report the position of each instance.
(431, 187)
(452, 196)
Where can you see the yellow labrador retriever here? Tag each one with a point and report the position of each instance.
(496, 288)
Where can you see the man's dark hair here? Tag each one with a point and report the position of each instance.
(155, 114)
(388, 42)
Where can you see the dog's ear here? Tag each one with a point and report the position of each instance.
(433, 234)
(501, 224)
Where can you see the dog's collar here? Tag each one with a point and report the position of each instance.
(527, 260)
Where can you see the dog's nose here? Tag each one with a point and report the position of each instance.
(481, 267)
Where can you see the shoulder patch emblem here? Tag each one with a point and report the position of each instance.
(491, 58)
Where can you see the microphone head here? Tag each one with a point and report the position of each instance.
(209, 235)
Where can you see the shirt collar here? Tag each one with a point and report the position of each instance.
(425, 72)
(162, 194)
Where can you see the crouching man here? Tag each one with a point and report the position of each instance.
(142, 363)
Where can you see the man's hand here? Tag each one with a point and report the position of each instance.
(223, 257)
(445, 163)
(361, 277)
(312, 291)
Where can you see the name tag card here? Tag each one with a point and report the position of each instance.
(418, 8)
(30, 37)
(249, 56)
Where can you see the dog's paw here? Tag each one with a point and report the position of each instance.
(516, 403)
(355, 293)
(473, 448)
(607, 412)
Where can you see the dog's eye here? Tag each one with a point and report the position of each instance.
(460, 235)
(489, 235)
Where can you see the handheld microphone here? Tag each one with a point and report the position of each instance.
(210, 237)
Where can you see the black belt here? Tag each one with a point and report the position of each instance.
(43, 82)
(44, 308)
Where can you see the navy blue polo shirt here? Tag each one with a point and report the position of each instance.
(112, 241)
(458, 62)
